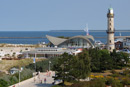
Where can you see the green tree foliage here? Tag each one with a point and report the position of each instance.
(69, 67)
(84, 64)
(95, 56)
(100, 60)
(3, 83)
(62, 67)
(104, 60)
(116, 58)
(120, 59)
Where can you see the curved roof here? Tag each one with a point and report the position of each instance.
(88, 38)
(57, 41)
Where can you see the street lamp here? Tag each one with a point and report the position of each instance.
(49, 65)
(34, 61)
(19, 74)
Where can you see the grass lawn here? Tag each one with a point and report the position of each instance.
(5, 65)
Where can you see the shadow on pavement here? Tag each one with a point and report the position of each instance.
(43, 85)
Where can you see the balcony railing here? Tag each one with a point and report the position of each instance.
(110, 31)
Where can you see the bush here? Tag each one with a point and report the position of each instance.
(3, 83)
(126, 72)
(6, 78)
(25, 74)
(116, 83)
(113, 82)
(113, 71)
(94, 83)
(56, 86)
(115, 75)
(12, 79)
(40, 67)
(126, 81)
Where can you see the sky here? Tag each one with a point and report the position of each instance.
(45, 15)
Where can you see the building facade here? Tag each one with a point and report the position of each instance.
(72, 42)
(110, 30)
(58, 46)
(126, 43)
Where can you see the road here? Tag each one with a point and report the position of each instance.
(39, 81)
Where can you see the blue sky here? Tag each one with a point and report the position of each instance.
(43, 15)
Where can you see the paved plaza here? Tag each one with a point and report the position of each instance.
(37, 81)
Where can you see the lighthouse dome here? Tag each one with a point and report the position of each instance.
(110, 10)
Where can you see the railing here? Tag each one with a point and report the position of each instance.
(110, 31)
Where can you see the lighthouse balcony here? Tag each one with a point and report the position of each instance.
(110, 31)
(110, 15)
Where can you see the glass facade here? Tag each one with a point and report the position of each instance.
(75, 42)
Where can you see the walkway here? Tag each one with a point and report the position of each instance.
(39, 81)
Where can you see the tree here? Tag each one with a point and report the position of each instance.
(106, 60)
(125, 58)
(95, 55)
(120, 59)
(100, 60)
(14, 55)
(71, 67)
(116, 58)
(84, 64)
(62, 67)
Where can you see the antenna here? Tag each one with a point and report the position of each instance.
(110, 5)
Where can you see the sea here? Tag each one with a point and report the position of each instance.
(5, 35)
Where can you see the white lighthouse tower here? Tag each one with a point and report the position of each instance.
(110, 30)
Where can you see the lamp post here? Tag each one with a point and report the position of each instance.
(19, 78)
(49, 65)
(34, 61)
(19, 75)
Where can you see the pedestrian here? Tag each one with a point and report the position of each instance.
(38, 76)
(34, 79)
(49, 73)
(53, 83)
(45, 80)
(41, 81)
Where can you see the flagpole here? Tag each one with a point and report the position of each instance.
(86, 30)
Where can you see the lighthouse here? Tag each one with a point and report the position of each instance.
(110, 30)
